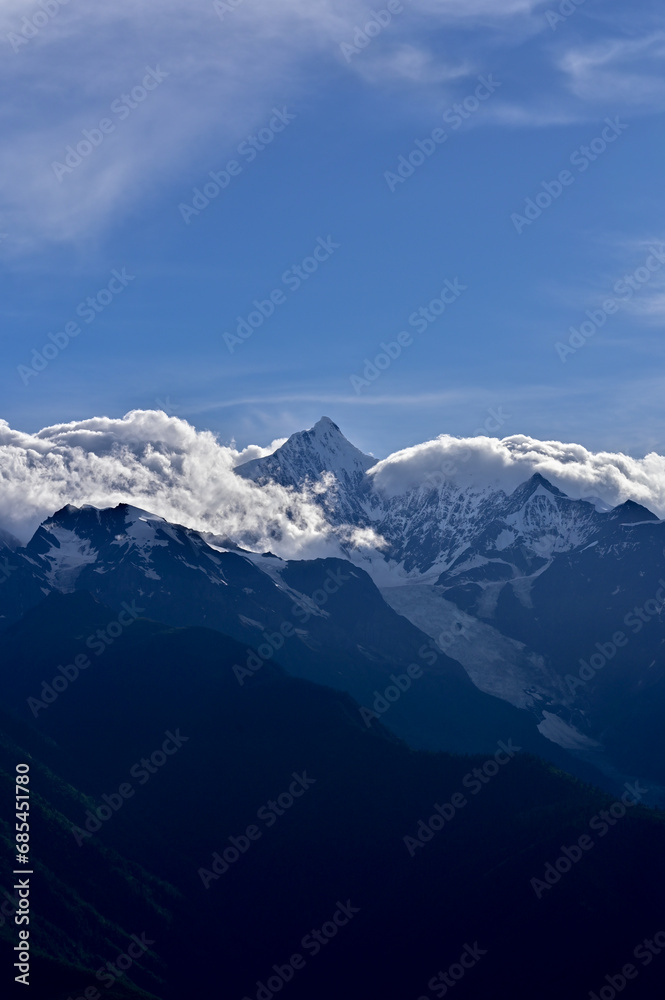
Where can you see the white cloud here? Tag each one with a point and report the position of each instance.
(594, 76)
(650, 308)
(161, 464)
(166, 466)
(224, 76)
(629, 71)
(481, 9)
(406, 62)
(505, 464)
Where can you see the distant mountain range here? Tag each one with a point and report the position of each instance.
(517, 632)
(548, 605)
(528, 591)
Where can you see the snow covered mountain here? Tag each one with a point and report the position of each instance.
(524, 589)
(438, 525)
(323, 620)
(324, 465)
(526, 601)
(308, 456)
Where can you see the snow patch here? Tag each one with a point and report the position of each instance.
(67, 556)
(504, 540)
(496, 664)
(564, 735)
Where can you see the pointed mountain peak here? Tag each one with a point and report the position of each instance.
(536, 483)
(63, 512)
(631, 512)
(325, 424)
(538, 480)
(325, 428)
(307, 455)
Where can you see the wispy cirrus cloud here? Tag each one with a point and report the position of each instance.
(628, 69)
(225, 73)
(598, 69)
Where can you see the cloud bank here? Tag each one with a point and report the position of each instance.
(483, 462)
(166, 466)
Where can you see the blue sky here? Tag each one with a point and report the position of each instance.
(578, 96)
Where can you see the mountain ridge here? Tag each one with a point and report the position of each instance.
(497, 572)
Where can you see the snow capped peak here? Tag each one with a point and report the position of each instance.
(308, 455)
(88, 514)
(133, 514)
(326, 441)
(537, 485)
(325, 424)
(64, 553)
(75, 537)
(447, 507)
(140, 528)
(63, 513)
